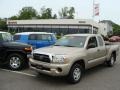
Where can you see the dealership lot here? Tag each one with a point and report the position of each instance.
(98, 78)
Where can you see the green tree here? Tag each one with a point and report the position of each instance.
(67, 13)
(27, 13)
(71, 13)
(46, 13)
(14, 18)
(3, 25)
(116, 29)
(55, 16)
(63, 13)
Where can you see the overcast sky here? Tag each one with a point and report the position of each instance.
(109, 9)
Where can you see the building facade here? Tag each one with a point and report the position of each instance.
(58, 26)
(106, 28)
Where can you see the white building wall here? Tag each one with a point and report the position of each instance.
(109, 29)
(102, 29)
(105, 29)
(55, 21)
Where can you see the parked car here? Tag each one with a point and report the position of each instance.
(36, 39)
(114, 39)
(13, 54)
(73, 54)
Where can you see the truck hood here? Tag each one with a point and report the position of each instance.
(15, 44)
(58, 50)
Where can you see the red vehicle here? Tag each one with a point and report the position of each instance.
(114, 39)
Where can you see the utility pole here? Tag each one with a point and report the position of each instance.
(93, 9)
(93, 16)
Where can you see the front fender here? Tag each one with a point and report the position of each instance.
(8, 52)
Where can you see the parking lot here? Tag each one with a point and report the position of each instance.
(98, 78)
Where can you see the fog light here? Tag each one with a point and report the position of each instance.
(59, 69)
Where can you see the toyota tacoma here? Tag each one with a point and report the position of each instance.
(72, 55)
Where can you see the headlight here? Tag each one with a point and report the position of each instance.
(59, 59)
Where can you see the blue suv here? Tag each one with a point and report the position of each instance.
(36, 39)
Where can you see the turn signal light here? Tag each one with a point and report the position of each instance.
(28, 49)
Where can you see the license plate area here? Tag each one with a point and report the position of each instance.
(39, 67)
(42, 68)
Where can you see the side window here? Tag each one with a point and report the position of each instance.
(7, 37)
(47, 37)
(32, 37)
(39, 37)
(92, 43)
(43, 37)
(16, 37)
(1, 38)
(54, 37)
(100, 40)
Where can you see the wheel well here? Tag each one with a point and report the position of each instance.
(15, 52)
(81, 62)
(12, 52)
(114, 54)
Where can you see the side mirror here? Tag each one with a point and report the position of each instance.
(91, 45)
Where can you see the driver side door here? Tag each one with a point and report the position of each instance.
(92, 52)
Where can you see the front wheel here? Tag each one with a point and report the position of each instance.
(111, 62)
(16, 61)
(75, 74)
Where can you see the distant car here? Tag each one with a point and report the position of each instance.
(114, 39)
(36, 39)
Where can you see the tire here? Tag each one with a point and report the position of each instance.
(75, 74)
(16, 61)
(111, 62)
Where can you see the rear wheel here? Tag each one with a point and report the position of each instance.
(75, 73)
(111, 62)
(16, 61)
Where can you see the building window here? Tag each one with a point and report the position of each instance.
(63, 31)
(55, 30)
(47, 29)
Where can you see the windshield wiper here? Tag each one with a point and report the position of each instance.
(57, 45)
(65, 45)
(69, 46)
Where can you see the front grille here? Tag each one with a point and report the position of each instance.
(41, 57)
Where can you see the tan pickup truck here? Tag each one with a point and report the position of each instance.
(72, 54)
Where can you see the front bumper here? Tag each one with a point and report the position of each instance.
(50, 69)
(29, 55)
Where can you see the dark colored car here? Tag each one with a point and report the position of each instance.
(13, 54)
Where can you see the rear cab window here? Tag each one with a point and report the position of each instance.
(100, 41)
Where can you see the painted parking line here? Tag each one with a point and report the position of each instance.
(22, 73)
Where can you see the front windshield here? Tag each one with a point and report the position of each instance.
(72, 41)
(5, 37)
